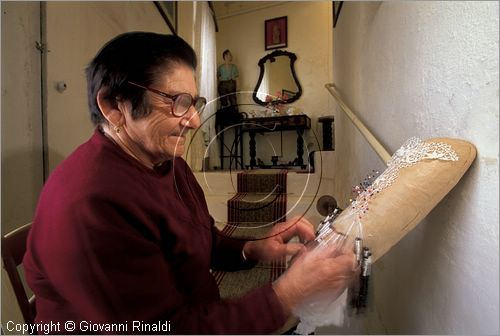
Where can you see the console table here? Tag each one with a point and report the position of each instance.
(297, 123)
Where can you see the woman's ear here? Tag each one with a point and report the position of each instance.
(110, 108)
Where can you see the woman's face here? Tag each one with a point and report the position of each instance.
(161, 135)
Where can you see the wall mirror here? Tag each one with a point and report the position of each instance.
(277, 75)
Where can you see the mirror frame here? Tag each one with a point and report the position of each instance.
(270, 56)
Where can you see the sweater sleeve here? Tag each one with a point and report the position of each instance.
(257, 312)
(227, 253)
(115, 273)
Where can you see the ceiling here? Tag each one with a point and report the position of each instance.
(224, 9)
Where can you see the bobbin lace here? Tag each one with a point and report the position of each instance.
(413, 151)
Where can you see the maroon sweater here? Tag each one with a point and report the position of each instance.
(115, 242)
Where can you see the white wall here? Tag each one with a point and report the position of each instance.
(22, 168)
(309, 37)
(427, 69)
(21, 125)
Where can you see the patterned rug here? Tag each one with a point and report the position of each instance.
(259, 203)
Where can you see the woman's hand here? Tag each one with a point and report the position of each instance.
(277, 245)
(321, 269)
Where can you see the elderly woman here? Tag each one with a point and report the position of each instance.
(122, 240)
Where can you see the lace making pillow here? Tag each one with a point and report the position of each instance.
(418, 176)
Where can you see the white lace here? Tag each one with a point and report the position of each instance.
(413, 151)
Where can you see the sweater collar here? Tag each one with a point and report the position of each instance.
(100, 139)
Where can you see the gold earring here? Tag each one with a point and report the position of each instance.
(116, 129)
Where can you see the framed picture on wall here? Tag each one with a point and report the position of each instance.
(168, 11)
(276, 35)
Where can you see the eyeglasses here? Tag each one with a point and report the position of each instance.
(182, 102)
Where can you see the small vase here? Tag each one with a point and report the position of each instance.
(283, 109)
(274, 111)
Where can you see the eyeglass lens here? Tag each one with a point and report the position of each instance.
(184, 101)
(181, 102)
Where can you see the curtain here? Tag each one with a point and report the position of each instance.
(205, 47)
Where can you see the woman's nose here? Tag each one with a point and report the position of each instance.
(191, 119)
